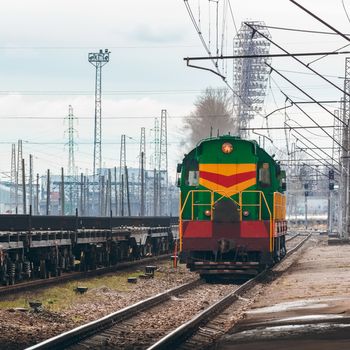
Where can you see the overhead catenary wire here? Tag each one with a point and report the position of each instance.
(321, 20)
(345, 10)
(300, 30)
(296, 102)
(314, 121)
(315, 168)
(297, 59)
(216, 71)
(313, 144)
(232, 16)
(322, 161)
(305, 93)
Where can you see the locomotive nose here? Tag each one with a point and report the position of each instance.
(226, 210)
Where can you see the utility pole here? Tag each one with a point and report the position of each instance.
(24, 188)
(37, 195)
(346, 153)
(102, 195)
(142, 170)
(142, 199)
(62, 191)
(13, 188)
(71, 144)
(109, 193)
(121, 191)
(155, 166)
(48, 192)
(127, 190)
(122, 173)
(334, 202)
(115, 191)
(163, 165)
(155, 192)
(19, 172)
(82, 211)
(31, 195)
(98, 60)
(71, 131)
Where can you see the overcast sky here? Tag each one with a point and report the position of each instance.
(44, 68)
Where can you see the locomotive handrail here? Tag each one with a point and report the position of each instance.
(224, 194)
(262, 198)
(262, 195)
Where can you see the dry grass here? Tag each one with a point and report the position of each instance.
(58, 298)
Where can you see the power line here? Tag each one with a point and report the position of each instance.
(288, 127)
(305, 93)
(302, 30)
(345, 10)
(232, 16)
(272, 55)
(296, 59)
(321, 20)
(90, 92)
(92, 47)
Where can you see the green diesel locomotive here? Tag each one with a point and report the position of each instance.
(232, 207)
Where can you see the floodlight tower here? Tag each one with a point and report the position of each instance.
(98, 60)
(250, 75)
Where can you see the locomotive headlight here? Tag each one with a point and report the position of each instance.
(246, 213)
(227, 147)
(207, 213)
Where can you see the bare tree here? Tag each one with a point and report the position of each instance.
(212, 115)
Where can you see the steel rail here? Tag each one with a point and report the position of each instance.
(183, 332)
(75, 335)
(291, 238)
(25, 286)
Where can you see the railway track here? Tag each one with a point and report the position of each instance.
(177, 338)
(71, 338)
(290, 238)
(141, 324)
(39, 283)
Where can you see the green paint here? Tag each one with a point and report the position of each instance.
(209, 151)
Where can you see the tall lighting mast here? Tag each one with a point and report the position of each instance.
(98, 60)
(250, 75)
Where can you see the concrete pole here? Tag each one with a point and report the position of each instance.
(142, 211)
(37, 195)
(62, 191)
(82, 194)
(24, 188)
(48, 190)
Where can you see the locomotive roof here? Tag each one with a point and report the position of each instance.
(226, 137)
(232, 139)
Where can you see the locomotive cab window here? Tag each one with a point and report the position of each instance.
(191, 173)
(193, 178)
(264, 174)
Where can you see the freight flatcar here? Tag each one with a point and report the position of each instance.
(232, 208)
(41, 247)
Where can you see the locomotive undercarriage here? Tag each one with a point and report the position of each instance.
(236, 262)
